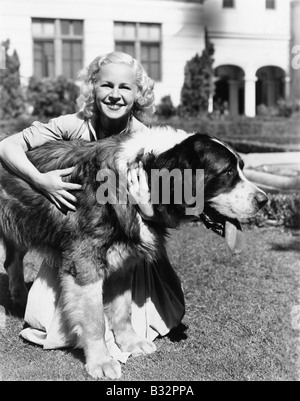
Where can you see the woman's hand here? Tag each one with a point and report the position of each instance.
(52, 185)
(139, 191)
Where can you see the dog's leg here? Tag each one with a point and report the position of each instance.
(118, 311)
(83, 308)
(14, 266)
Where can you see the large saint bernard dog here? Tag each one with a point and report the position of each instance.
(96, 245)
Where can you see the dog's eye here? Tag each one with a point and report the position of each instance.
(229, 171)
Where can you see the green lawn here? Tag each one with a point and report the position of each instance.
(237, 324)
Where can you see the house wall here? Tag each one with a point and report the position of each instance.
(250, 36)
(295, 51)
(182, 33)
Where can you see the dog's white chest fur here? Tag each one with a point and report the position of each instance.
(157, 140)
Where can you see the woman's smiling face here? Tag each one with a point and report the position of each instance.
(115, 91)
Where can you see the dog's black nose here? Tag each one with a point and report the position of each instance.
(261, 199)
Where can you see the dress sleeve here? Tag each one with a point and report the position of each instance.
(62, 128)
(137, 126)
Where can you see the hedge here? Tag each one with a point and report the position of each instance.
(246, 135)
(282, 210)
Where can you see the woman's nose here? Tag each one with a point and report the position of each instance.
(115, 94)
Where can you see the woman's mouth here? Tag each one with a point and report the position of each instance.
(114, 107)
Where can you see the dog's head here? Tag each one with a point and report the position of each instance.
(227, 191)
(228, 194)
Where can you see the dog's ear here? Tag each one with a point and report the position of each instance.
(188, 154)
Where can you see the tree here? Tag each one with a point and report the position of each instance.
(198, 82)
(12, 101)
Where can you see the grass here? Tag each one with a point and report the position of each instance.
(237, 324)
(238, 310)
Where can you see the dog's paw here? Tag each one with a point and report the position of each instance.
(129, 341)
(143, 347)
(110, 369)
(19, 295)
(138, 347)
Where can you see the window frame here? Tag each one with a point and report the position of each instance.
(227, 5)
(72, 60)
(271, 5)
(138, 41)
(58, 38)
(43, 42)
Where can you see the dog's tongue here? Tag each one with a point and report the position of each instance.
(231, 230)
(234, 237)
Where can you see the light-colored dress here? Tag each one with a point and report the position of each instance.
(158, 301)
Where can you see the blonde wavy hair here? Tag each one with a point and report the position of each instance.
(144, 102)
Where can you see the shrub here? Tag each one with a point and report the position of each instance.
(247, 135)
(12, 102)
(281, 209)
(255, 147)
(198, 83)
(166, 108)
(52, 97)
(283, 108)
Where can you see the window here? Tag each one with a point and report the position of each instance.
(270, 4)
(57, 47)
(142, 41)
(43, 59)
(228, 3)
(72, 58)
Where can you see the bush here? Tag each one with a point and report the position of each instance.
(282, 210)
(247, 135)
(283, 108)
(52, 97)
(255, 147)
(166, 108)
(198, 83)
(12, 102)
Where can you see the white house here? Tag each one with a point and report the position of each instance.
(251, 38)
(252, 59)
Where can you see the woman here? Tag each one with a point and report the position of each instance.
(116, 93)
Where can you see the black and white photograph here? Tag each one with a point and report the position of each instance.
(150, 193)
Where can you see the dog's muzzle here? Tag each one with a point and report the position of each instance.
(261, 200)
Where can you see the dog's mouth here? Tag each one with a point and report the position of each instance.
(230, 229)
(216, 222)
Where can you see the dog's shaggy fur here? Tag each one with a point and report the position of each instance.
(97, 245)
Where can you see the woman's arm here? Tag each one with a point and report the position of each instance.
(12, 153)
